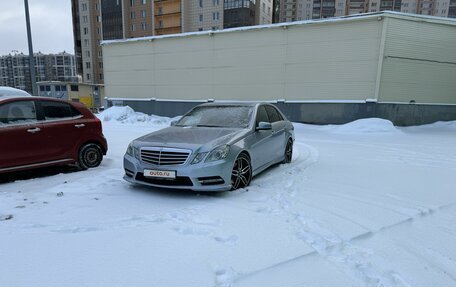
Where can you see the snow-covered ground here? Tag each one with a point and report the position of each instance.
(362, 204)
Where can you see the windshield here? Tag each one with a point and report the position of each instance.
(218, 116)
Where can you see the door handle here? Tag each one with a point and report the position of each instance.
(34, 130)
(80, 126)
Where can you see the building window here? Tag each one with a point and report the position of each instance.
(200, 29)
(85, 19)
(74, 88)
(143, 13)
(88, 76)
(101, 77)
(201, 17)
(86, 42)
(86, 30)
(87, 53)
(84, 6)
(100, 64)
(96, 6)
(144, 26)
(132, 15)
(133, 27)
(201, 3)
(87, 65)
(144, 2)
(160, 24)
(132, 2)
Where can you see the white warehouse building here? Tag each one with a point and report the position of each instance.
(390, 65)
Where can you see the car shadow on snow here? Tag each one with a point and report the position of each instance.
(187, 193)
(36, 173)
(175, 193)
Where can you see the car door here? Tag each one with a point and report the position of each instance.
(63, 127)
(278, 140)
(261, 146)
(21, 137)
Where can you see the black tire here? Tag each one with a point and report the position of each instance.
(242, 172)
(288, 154)
(90, 155)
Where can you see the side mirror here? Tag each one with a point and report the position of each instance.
(173, 123)
(264, 126)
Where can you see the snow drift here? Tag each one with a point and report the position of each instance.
(365, 126)
(128, 115)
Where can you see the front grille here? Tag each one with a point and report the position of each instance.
(178, 181)
(164, 156)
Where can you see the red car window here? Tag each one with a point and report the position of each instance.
(17, 113)
(57, 110)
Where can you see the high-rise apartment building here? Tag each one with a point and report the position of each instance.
(98, 20)
(238, 13)
(15, 69)
(295, 10)
(264, 12)
(87, 32)
(200, 15)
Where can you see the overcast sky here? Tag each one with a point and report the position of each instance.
(52, 28)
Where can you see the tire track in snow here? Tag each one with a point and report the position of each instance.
(354, 261)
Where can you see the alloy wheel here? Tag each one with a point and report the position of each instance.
(242, 172)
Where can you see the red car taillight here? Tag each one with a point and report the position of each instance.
(99, 125)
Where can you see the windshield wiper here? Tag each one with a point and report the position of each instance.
(209, 126)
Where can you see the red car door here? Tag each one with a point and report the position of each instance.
(21, 138)
(63, 127)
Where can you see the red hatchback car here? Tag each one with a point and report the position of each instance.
(38, 132)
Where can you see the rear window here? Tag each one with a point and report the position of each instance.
(56, 110)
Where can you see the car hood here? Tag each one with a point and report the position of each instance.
(204, 138)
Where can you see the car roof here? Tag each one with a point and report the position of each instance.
(9, 92)
(25, 98)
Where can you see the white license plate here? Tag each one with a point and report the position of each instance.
(160, 173)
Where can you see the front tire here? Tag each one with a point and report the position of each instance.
(242, 172)
(288, 154)
(90, 155)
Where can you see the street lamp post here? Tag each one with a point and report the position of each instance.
(31, 58)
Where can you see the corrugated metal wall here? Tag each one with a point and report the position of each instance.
(317, 61)
(322, 61)
(419, 63)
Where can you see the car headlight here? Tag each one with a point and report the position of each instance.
(133, 151)
(218, 153)
(199, 157)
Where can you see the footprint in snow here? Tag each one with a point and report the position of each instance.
(6, 217)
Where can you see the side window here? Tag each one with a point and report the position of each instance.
(56, 110)
(262, 116)
(20, 112)
(273, 114)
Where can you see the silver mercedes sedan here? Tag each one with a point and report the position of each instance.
(214, 147)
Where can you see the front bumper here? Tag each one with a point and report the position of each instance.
(212, 176)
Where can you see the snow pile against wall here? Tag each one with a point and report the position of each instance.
(128, 115)
(365, 126)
